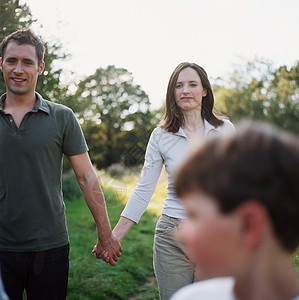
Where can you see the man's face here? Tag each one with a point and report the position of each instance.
(20, 68)
(212, 238)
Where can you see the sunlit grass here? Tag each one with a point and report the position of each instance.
(125, 185)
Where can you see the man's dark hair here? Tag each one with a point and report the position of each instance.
(259, 163)
(24, 36)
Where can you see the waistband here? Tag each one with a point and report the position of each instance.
(172, 219)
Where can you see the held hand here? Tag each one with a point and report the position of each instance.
(108, 250)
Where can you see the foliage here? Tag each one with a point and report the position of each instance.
(296, 260)
(260, 91)
(14, 16)
(115, 113)
(116, 173)
(70, 187)
(49, 83)
(117, 119)
(93, 279)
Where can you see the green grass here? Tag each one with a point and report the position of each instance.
(296, 260)
(132, 277)
(90, 278)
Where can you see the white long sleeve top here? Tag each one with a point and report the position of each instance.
(169, 149)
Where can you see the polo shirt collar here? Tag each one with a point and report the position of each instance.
(40, 104)
(2, 98)
(208, 127)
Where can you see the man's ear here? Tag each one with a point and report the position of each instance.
(254, 221)
(41, 68)
(1, 63)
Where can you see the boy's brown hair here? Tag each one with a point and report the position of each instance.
(259, 163)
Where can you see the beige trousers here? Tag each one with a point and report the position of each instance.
(172, 268)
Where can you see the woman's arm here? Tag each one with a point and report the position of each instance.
(144, 190)
(142, 194)
(122, 228)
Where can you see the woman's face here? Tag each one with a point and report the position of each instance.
(189, 90)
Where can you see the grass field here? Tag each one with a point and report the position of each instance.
(132, 278)
(93, 279)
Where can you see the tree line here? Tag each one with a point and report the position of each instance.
(115, 113)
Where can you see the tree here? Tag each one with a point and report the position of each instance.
(14, 16)
(283, 97)
(115, 113)
(261, 92)
(49, 84)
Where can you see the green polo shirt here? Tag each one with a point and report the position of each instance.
(32, 211)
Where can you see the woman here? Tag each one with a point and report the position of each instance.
(189, 115)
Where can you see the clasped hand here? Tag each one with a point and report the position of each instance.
(108, 250)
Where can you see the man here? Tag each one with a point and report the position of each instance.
(34, 135)
(242, 198)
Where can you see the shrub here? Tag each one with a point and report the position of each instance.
(116, 173)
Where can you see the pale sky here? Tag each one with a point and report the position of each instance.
(150, 38)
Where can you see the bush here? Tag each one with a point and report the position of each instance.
(116, 173)
(70, 187)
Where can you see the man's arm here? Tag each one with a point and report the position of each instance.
(93, 195)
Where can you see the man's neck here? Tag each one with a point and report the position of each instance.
(13, 101)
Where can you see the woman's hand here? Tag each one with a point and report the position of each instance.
(108, 250)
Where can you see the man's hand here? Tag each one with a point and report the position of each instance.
(108, 250)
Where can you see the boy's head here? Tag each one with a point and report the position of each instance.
(236, 190)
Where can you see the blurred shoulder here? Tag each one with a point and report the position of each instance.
(212, 289)
(227, 126)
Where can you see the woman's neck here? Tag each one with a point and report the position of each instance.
(192, 119)
(193, 123)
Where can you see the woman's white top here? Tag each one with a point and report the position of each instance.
(170, 149)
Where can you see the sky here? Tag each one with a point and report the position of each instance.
(150, 38)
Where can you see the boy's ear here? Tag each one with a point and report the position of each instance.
(254, 221)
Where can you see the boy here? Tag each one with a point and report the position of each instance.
(242, 199)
